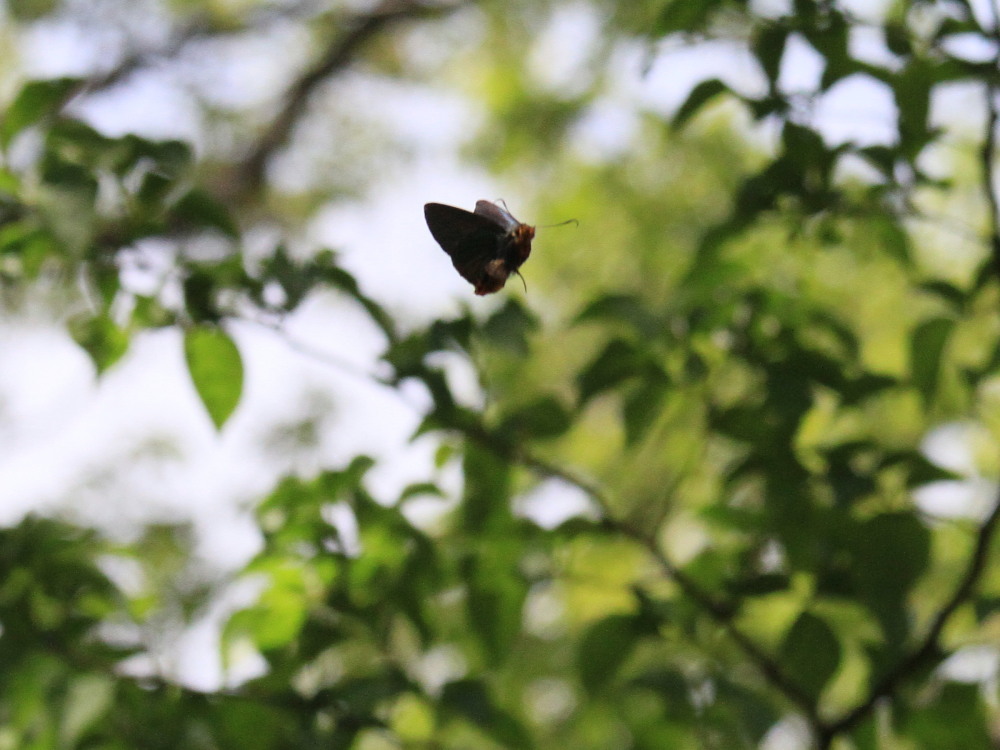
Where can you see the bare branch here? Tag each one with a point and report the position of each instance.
(338, 55)
(926, 651)
(721, 612)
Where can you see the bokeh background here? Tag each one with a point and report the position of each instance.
(723, 476)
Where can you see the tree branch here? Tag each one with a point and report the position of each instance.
(989, 181)
(927, 649)
(338, 55)
(198, 27)
(723, 613)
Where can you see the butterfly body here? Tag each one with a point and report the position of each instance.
(486, 245)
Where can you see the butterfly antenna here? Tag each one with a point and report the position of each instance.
(522, 281)
(560, 224)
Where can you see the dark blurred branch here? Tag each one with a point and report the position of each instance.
(341, 52)
(197, 28)
(721, 612)
(927, 649)
(989, 176)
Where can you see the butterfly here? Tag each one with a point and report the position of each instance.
(486, 245)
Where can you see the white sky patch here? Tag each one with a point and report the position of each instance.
(606, 131)
(677, 70)
(954, 447)
(801, 66)
(973, 664)
(558, 61)
(553, 502)
(858, 109)
(244, 71)
(152, 105)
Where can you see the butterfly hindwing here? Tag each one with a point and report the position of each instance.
(472, 240)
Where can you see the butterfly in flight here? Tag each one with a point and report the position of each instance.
(486, 245)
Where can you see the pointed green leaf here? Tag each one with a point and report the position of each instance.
(604, 648)
(810, 653)
(36, 101)
(104, 341)
(543, 417)
(768, 47)
(619, 361)
(927, 345)
(700, 95)
(199, 210)
(216, 371)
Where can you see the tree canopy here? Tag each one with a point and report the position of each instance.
(723, 477)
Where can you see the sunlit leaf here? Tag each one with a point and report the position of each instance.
(104, 341)
(700, 95)
(810, 653)
(216, 370)
(605, 647)
(927, 344)
(35, 101)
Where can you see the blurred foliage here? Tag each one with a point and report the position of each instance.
(735, 359)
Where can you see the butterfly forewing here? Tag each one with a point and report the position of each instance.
(497, 214)
(451, 226)
(470, 239)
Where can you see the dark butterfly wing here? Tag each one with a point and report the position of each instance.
(497, 214)
(472, 240)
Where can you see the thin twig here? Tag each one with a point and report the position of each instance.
(989, 185)
(197, 28)
(722, 613)
(930, 644)
(338, 55)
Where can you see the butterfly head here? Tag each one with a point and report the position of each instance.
(520, 243)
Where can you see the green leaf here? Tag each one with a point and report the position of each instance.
(88, 698)
(768, 46)
(919, 469)
(199, 210)
(619, 361)
(470, 700)
(543, 417)
(274, 623)
(642, 407)
(912, 90)
(891, 551)
(36, 101)
(897, 39)
(953, 296)
(216, 370)
(700, 95)
(955, 718)
(621, 308)
(494, 601)
(604, 648)
(887, 231)
(485, 502)
(509, 327)
(104, 341)
(683, 15)
(927, 345)
(810, 654)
